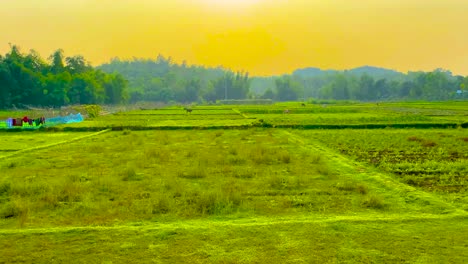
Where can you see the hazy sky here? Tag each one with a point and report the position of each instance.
(264, 37)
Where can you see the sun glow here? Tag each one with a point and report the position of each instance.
(263, 37)
(232, 3)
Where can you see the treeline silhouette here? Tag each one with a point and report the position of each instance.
(162, 80)
(29, 80)
(363, 84)
(165, 81)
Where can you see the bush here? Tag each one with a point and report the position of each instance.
(93, 111)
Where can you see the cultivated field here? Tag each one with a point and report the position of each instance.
(242, 184)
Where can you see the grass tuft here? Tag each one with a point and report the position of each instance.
(237, 160)
(130, 174)
(5, 188)
(415, 138)
(162, 205)
(347, 186)
(193, 173)
(362, 189)
(285, 157)
(9, 210)
(373, 201)
(429, 143)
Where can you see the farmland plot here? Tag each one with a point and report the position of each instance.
(434, 160)
(250, 195)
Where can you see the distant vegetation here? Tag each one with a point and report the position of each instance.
(363, 84)
(162, 80)
(28, 80)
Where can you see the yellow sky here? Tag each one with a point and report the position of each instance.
(264, 37)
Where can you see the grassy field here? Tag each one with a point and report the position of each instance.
(250, 195)
(434, 160)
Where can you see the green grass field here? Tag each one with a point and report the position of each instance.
(165, 186)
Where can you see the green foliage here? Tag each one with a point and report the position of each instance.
(364, 84)
(27, 80)
(93, 111)
(162, 80)
(287, 89)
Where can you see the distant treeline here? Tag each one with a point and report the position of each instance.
(162, 80)
(28, 80)
(165, 81)
(363, 84)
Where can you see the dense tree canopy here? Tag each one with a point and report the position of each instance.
(361, 85)
(163, 80)
(28, 80)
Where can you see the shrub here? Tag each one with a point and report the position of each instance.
(93, 110)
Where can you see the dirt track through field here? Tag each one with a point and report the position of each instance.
(247, 222)
(52, 145)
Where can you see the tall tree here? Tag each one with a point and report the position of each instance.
(287, 89)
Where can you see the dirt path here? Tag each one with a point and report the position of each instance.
(52, 145)
(247, 222)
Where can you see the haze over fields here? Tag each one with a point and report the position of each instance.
(262, 37)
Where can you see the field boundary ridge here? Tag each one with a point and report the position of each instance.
(52, 144)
